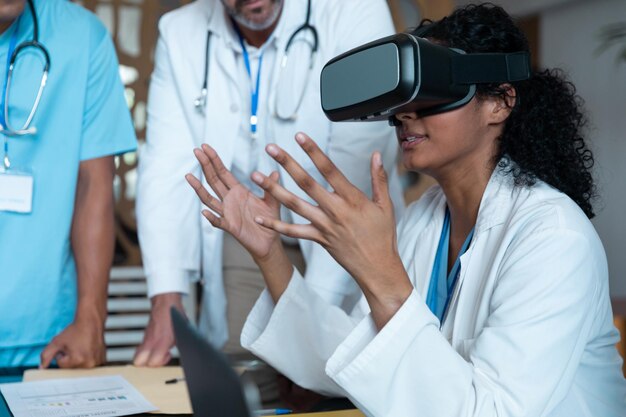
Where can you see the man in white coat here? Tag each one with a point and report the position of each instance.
(219, 79)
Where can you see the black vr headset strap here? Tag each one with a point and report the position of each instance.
(490, 68)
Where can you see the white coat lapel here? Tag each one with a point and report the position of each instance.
(418, 250)
(222, 111)
(225, 40)
(223, 108)
(474, 279)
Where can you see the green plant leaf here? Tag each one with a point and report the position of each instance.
(610, 36)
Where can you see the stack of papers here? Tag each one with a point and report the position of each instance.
(79, 397)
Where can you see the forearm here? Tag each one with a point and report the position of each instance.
(386, 289)
(301, 317)
(93, 237)
(277, 270)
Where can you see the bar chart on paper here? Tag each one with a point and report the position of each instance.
(85, 397)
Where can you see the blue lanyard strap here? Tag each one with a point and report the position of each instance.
(441, 282)
(254, 94)
(12, 45)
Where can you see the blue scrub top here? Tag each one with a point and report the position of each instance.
(442, 282)
(82, 115)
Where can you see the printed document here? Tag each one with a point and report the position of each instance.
(77, 397)
(150, 382)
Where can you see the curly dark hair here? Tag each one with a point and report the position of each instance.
(543, 134)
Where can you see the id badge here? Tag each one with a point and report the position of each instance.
(16, 191)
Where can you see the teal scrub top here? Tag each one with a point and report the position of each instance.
(82, 115)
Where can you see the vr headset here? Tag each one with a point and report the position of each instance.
(406, 73)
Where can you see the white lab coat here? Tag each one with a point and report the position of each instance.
(177, 244)
(529, 332)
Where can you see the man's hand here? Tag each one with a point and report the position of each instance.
(159, 336)
(80, 345)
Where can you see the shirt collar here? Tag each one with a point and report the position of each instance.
(218, 24)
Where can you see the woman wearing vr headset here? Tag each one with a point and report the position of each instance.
(492, 298)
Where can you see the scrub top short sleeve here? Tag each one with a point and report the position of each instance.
(106, 121)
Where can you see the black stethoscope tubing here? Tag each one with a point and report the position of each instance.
(34, 43)
(305, 26)
(200, 102)
(6, 129)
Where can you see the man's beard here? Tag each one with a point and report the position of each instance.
(236, 13)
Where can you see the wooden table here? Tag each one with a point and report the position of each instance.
(342, 413)
(4, 412)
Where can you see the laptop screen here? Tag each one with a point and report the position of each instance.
(214, 387)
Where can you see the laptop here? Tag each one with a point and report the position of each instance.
(214, 387)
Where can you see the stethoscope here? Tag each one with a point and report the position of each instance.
(200, 101)
(7, 129)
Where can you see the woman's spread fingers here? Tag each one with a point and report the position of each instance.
(380, 185)
(268, 197)
(210, 174)
(213, 219)
(325, 166)
(287, 199)
(298, 231)
(222, 172)
(206, 198)
(300, 176)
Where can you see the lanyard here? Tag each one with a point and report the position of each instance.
(254, 93)
(442, 283)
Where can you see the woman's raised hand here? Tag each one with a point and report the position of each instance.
(236, 207)
(358, 232)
